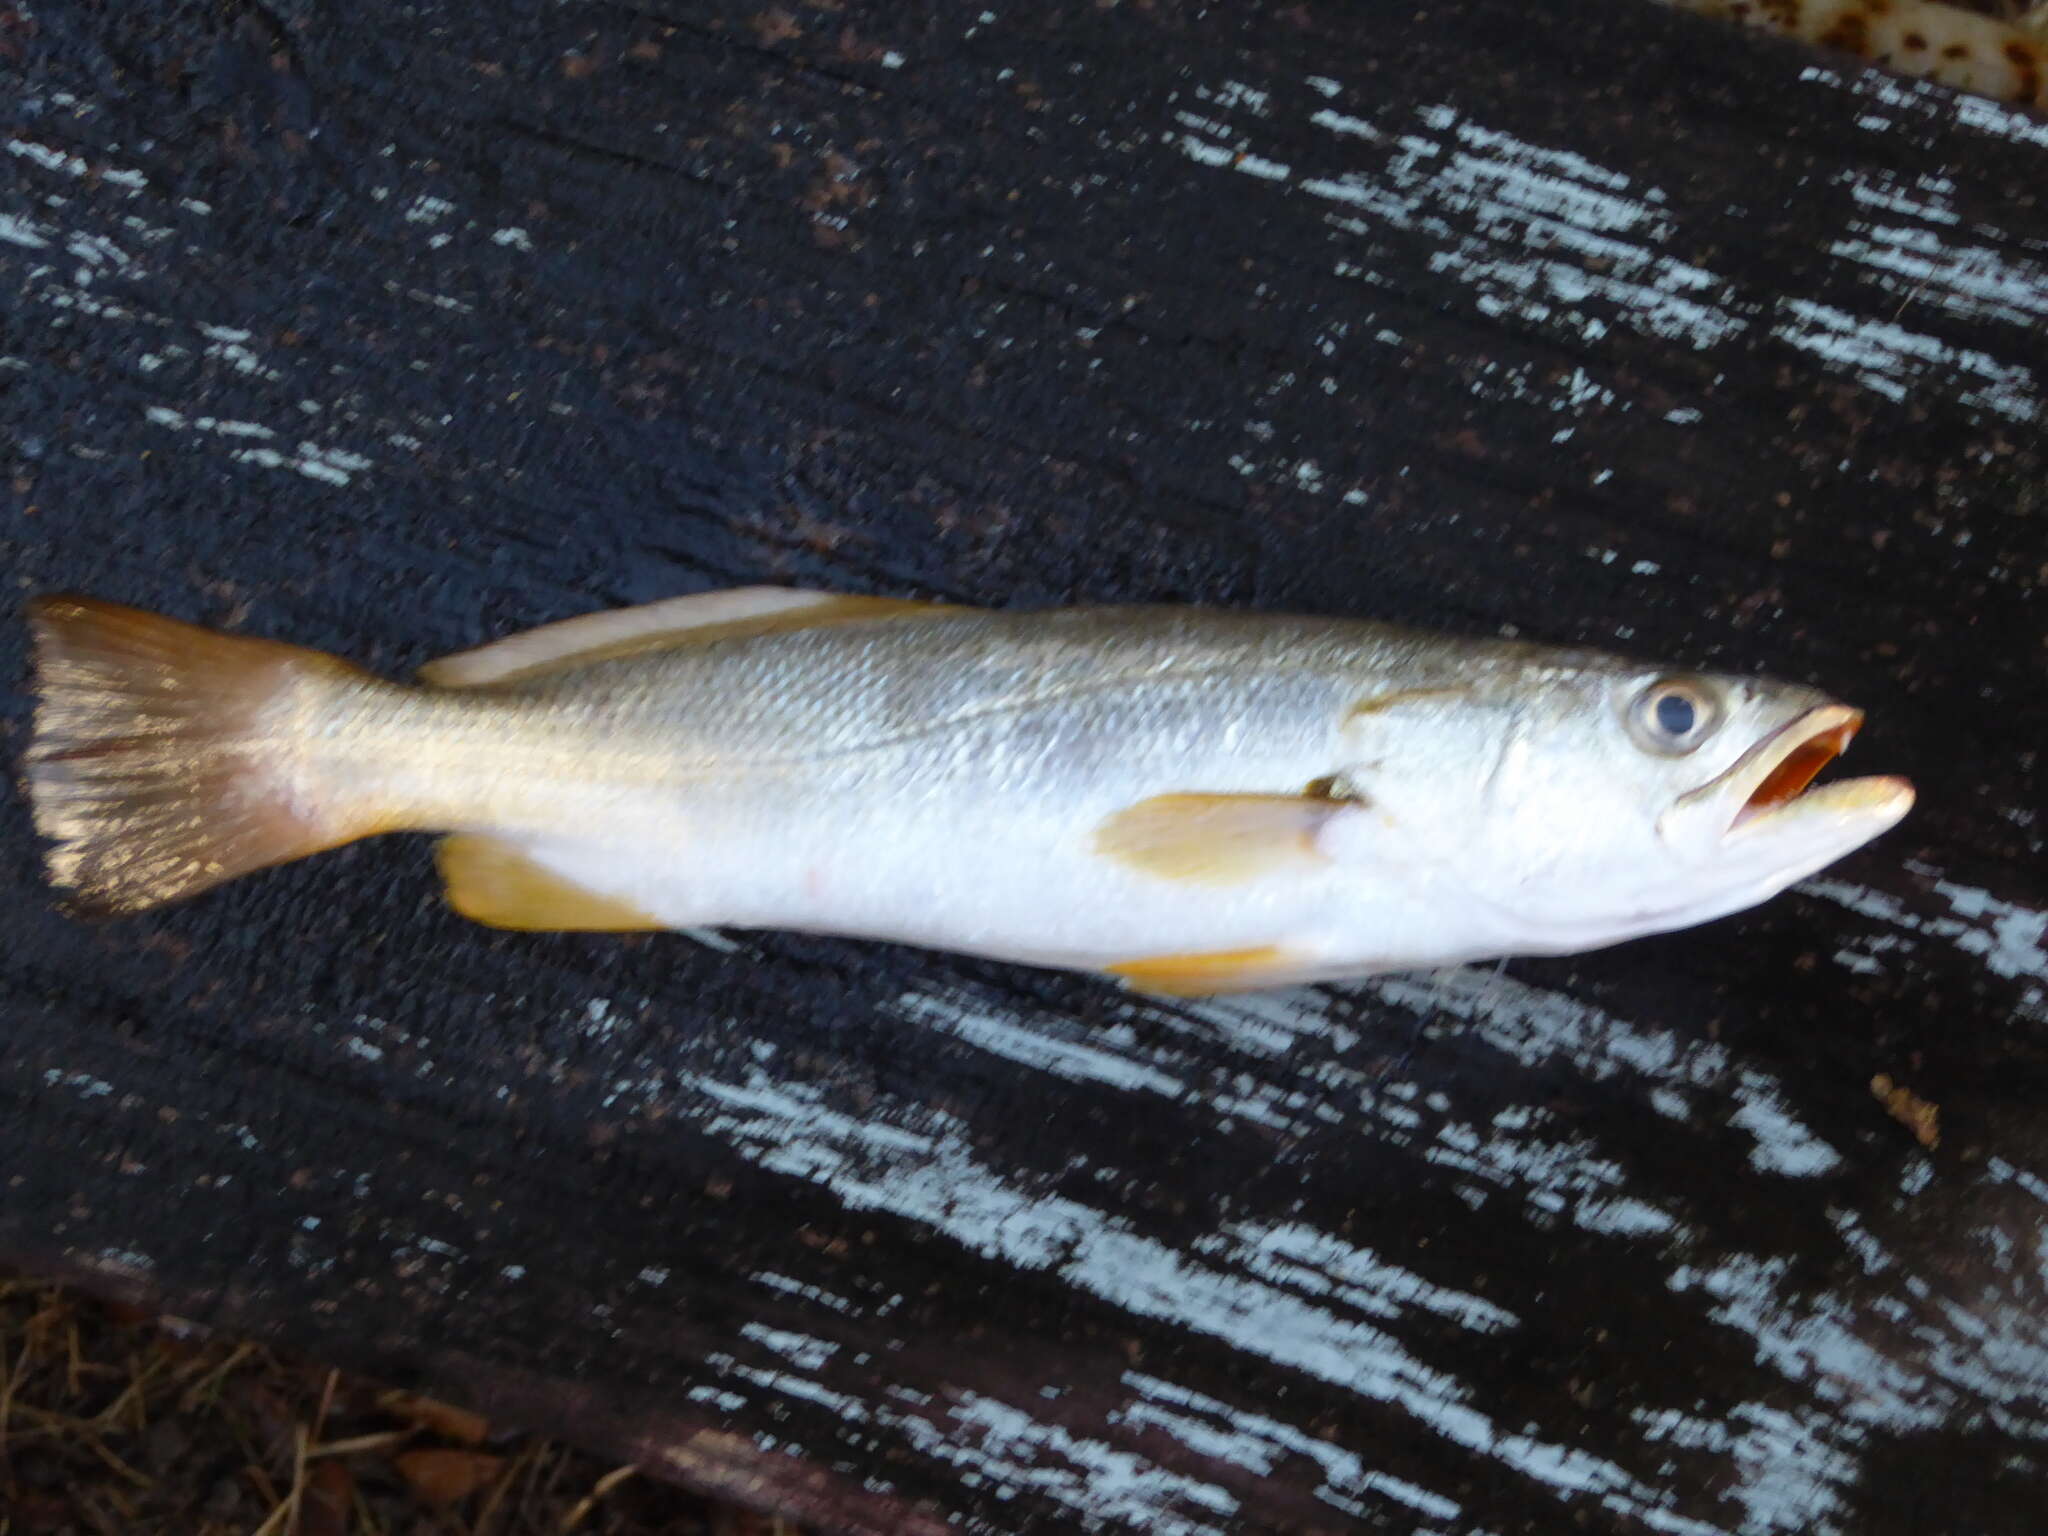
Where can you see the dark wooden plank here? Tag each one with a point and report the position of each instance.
(386, 327)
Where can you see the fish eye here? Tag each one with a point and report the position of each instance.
(1673, 716)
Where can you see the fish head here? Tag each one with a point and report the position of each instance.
(1583, 799)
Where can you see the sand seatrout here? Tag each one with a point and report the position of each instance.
(1191, 800)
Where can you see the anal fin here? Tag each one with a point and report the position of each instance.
(1201, 975)
(495, 883)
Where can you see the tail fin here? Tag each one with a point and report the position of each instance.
(156, 768)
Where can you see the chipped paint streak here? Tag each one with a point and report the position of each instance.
(1943, 1351)
(1789, 1470)
(1783, 1146)
(96, 230)
(1891, 359)
(931, 1176)
(2010, 939)
(335, 466)
(997, 1444)
(129, 181)
(1090, 1477)
(1067, 1056)
(1550, 238)
(1539, 1027)
(1556, 1177)
(1257, 1443)
(1999, 122)
(800, 1349)
(1316, 1263)
(2007, 935)
(1554, 230)
(1913, 251)
(788, 1287)
(16, 230)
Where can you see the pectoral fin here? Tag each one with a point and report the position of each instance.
(1217, 839)
(494, 883)
(1224, 970)
(698, 619)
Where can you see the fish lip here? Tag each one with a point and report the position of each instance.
(1770, 780)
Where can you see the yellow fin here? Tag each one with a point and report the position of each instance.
(155, 770)
(1223, 970)
(694, 620)
(494, 883)
(1216, 839)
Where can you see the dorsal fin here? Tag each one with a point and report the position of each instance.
(694, 620)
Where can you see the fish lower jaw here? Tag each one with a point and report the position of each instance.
(1865, 806)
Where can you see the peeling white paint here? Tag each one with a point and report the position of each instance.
(96, 251)
(83, 1083)
(717, 1397)
(2011, 939)
(1100, 1481)
(1257, 1443)
(1541, 233)
(932, 1177)
(1783, 1145)
(1315, 1263)
(426, 209)
(164, 416)
(16, 230)
(1236, 160)
(128, 180)
(1344, 123)
(1000, 1445)
(710, 938)
(336, 466)
(313, 462)
(1891, 359)
(800, 1349)
(823, 1297)
(2016, 125)
(1065, 1054)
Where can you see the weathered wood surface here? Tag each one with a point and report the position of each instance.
(388, 327)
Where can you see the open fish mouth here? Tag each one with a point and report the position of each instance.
(1772, 779)
(1792, 757)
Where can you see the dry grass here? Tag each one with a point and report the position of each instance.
(115, 1424)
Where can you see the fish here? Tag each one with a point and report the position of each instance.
(1185, 800)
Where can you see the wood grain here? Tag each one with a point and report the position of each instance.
(391, 327)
